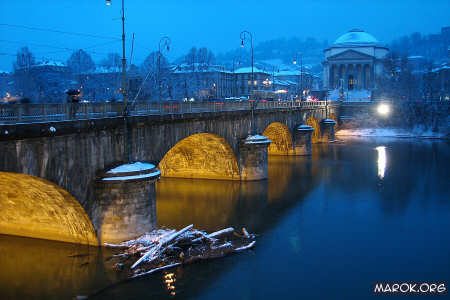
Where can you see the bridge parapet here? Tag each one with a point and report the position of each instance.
(34, 113)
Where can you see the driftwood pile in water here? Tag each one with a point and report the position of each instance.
(163, 249)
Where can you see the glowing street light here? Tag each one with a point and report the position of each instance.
(108, 2)
(383, 109)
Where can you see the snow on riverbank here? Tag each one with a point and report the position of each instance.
(390, 132)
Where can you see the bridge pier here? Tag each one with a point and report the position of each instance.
(327, 130)
(303, 140)
(125, 204)
(253, 158)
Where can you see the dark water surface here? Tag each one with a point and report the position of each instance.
(329, 226)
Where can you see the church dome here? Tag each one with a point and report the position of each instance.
(356, 37)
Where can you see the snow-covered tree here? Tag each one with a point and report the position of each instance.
(113, 60)
(80, 62)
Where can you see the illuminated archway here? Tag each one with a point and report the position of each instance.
(316, 133)
(281, 139)
(202, 155)
(33, 207)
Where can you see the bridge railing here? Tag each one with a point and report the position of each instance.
(32, 113)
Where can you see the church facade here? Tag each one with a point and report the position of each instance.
(352, 65)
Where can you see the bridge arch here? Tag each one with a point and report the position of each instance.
(33, 207)
(281, 138)
(311, 121)
(201, 155)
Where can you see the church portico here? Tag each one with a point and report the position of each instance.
(352, 64)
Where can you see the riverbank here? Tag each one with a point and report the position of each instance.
(417, 132)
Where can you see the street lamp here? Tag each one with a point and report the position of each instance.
(244, 35)
(300, 78)
(127, 141)
(383, 109)
(238, 59)
(165, 41)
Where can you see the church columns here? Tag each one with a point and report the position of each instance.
(360, 79)
(344, 76)
(369, 76)
(330, 78)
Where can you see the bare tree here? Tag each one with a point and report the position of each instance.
(149, 70)
(80, 62)
(113, 60)
(24, 82)
(25, 59)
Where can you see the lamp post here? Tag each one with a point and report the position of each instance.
(165, 41)
(244, 35)
(238, 58)
(127, 141)
(300, 85)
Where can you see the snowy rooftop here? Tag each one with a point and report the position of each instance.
(103, 69)
(416, 57)
(249, 70)
(441, 68)
(197, 67)
(356, 37)
(53, 63)
(284, 82)
(290, 73)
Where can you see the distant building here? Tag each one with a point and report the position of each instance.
(437, 82)
(43, 82)
(199, 81)
(301, 82)
(101, 85)
(262, 80)
(353, 65)
(6, 85)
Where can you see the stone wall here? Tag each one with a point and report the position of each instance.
(72, 156)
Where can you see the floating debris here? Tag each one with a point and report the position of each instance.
(163, 248)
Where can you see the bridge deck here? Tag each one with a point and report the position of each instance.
(38, 113)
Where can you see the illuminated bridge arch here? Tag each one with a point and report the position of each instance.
(311, 121)
(281, 139)
(33, 207)
(202, 155)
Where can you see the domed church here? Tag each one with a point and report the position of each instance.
(352, 65)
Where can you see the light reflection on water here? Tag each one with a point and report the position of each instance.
(381, 161)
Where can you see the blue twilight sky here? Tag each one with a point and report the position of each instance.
(211, 23)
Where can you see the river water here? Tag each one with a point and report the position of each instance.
(329, 226)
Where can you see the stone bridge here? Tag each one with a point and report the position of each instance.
(63, 160)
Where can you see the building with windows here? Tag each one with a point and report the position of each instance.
(199, 81)
(353, 65)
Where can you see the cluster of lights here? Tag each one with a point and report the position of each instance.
(169, 280)
(267, 82)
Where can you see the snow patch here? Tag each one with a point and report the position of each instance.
(256, 137)
(135, 167)
(390, 132)
(132, 177)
